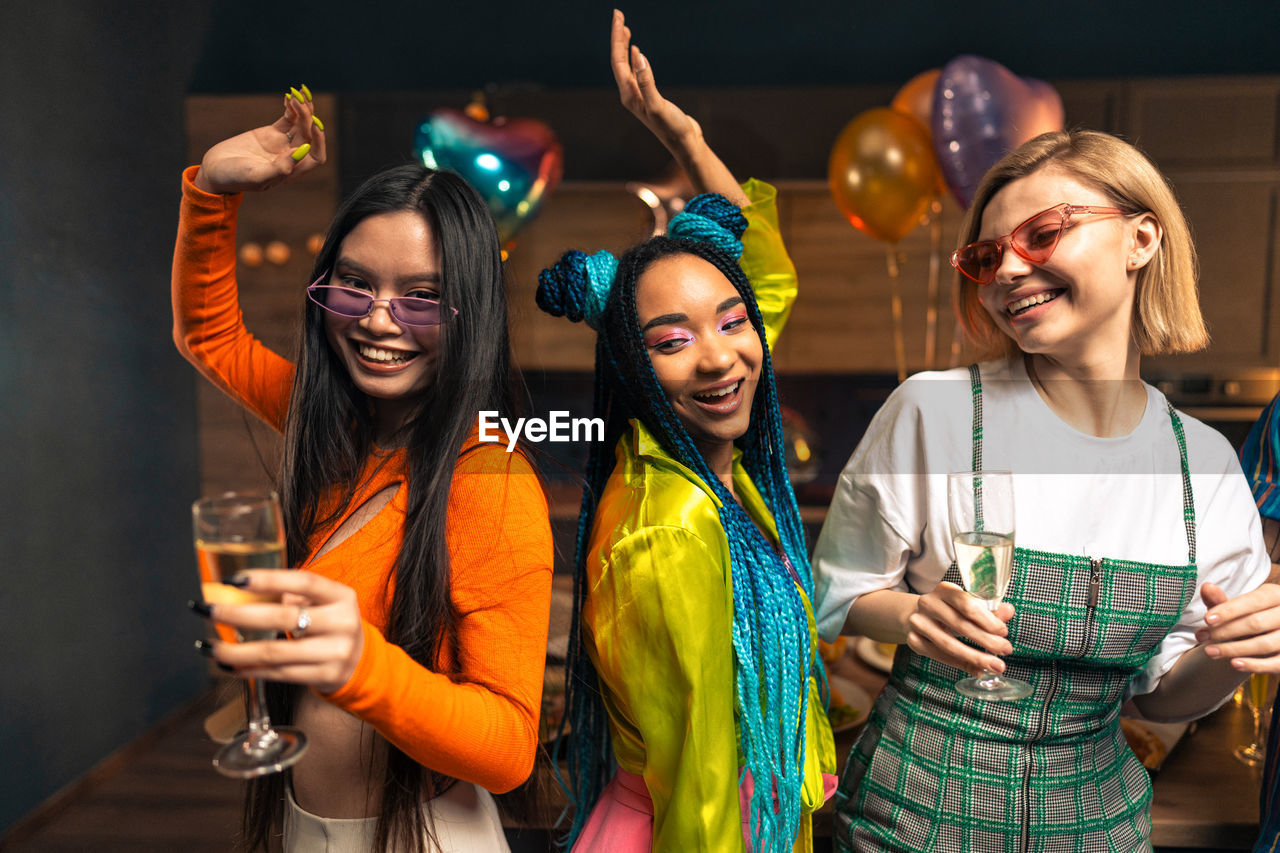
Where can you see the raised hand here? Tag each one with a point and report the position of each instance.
(323, 655)
(264, 157)
(639, 94)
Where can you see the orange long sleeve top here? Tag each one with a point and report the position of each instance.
(480, 725)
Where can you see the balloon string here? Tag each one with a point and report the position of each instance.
(895, 305)
(957, 336)
(931, 303)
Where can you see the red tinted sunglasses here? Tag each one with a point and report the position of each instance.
(351, 303)
(1033, 241)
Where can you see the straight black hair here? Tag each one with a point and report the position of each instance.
(329, 436)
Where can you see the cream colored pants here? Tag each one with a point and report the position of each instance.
(466, 819)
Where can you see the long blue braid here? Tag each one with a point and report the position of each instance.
(770, 626)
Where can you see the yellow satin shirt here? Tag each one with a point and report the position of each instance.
(658, 615)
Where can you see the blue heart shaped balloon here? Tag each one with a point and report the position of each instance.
(514, 164)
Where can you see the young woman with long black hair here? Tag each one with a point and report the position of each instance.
(419, 613)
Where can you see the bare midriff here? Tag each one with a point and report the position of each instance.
(342, 773)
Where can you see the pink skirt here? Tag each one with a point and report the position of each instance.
(622, 821)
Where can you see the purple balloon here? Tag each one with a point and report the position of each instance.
(982, 111)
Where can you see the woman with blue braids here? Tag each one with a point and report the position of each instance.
(692, 662)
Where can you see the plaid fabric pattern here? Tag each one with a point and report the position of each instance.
(937, 771)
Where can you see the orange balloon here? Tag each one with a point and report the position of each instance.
(916, 97)
(883, 173)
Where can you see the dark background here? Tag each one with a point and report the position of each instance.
(97, 419)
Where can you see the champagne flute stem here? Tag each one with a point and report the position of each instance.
(261, 736)
(988, 677)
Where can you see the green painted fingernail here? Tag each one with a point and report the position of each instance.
(288, 96)
(296, 94)
(303, 150)
(307, 92)
(317, 122)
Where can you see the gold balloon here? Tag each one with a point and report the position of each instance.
(883, 173)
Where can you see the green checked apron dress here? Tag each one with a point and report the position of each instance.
(936, 771)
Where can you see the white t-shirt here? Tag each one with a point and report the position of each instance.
(1118, 498)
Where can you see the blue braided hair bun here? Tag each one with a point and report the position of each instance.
(577, 286)
(711, 218)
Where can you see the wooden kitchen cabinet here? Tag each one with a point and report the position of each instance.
(1215, 138)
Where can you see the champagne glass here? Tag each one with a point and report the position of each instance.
(236, 531)
(1257, 693)
(980, 505)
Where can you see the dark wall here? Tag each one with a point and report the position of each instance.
(405, 45)
(97, 419)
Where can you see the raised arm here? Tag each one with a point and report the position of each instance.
(765, 259)
(208, 328)
(675, 129)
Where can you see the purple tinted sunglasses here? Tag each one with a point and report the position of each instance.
(351, 303)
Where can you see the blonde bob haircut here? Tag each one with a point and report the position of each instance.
(1166, 317)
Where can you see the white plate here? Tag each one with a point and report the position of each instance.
(855, 697)
(1168, 735)
(869, 651)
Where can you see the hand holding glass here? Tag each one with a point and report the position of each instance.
(980, 505)
(233, 532)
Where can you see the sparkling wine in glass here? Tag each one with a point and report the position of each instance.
(236, 531)
(1257, 693)
(980, 505)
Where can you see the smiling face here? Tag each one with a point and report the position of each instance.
(387, 255)
(703, 348)
(1077, 306)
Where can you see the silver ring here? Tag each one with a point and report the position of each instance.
(288, 134)
(304, 622)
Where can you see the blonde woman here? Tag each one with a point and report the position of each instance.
(1135, 526)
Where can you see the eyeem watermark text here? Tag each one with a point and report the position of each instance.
(558, 427)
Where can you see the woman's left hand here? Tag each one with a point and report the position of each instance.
(323, 656)
(1244, 629)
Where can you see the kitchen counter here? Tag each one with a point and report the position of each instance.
(1204, 797)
